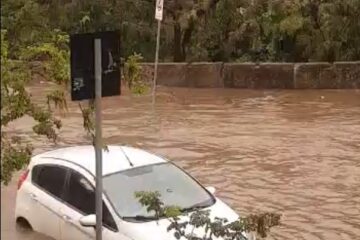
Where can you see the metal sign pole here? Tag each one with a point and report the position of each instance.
(158, 16)
(98, 139)
(156, 60)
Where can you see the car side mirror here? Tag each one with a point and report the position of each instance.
(211, 189)
(88, 221)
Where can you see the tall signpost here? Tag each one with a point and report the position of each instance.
(98, 139)
(95, 73)
(159, 8)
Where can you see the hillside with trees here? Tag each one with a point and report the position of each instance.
(199, 30)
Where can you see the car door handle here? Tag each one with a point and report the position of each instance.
(33, 197)
(66, 218)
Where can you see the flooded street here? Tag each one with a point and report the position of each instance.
(293, 152)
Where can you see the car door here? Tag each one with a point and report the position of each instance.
(46, 196)
(79, 202)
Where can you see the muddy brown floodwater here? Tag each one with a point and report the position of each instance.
(293, 152)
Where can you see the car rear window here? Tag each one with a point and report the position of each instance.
(50, 178)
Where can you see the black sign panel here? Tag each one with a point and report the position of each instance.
(83, 64)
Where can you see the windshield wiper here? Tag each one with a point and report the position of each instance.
(195, 207)
(127, 158)
(140, 218)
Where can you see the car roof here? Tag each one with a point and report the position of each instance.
(114, 160)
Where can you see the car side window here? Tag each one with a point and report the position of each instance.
(81, 196)
(50, 178)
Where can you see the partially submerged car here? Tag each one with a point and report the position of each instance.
(56, 194)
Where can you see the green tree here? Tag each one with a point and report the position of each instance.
(17, 102)
(300, 30)
(184, 17)
(25, 21)
(200, 30)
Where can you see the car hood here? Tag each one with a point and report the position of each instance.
(158, 229)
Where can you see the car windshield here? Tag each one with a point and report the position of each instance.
(175, 186)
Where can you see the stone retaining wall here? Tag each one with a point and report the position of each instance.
(339, 75)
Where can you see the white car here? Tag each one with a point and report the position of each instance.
(56, 194)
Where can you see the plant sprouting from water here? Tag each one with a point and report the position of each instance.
(184, 224)
(132, 75)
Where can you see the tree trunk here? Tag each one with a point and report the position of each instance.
(187, 38)
(178, 55)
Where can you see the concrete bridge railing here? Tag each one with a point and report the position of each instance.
(317, 75)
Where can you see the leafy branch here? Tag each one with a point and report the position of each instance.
(14, 155)
(181, 222)
(16, 101)
(89, 119)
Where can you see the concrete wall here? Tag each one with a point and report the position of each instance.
(185, 75)
(339, 75)
(267, 75)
